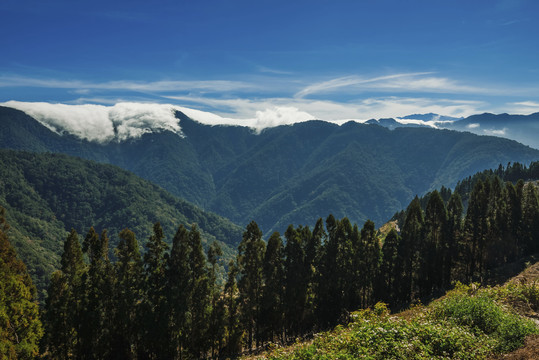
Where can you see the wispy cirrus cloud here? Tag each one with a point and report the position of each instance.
(126, 85)
(265, 100)
(265, 69)
(360, 109)
(524, 107)
(405, 82)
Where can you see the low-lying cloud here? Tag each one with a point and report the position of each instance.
(126, 120)
(101, 123)
(495, 132)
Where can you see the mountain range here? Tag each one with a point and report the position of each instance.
(521, 128)
(284, 174)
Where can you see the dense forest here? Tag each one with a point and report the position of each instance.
(167, 303)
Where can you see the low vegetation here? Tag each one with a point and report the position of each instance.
(467, 323)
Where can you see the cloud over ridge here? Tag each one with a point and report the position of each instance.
(101, 123)
(130, 120)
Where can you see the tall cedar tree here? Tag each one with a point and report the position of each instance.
(476, 229)
(64, 301)
(177, 291)
(313, 253)
(359, 274)
(530, 218)
(372, 258)
(452, 239)
(296, 285)
(389, 268)
(250, 261)
(434, 250)
(127, 297)
(515, 208)
(216, 326)
(20, 326)
(409, 252)
(272, 310)
(233, 328)
(199, 302)
(96, 313)
(154, 323)
(328, 291)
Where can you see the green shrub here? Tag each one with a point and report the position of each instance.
(377, 335)
(481, 314)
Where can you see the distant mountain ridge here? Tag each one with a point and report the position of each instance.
(521, 128)
(286, 174)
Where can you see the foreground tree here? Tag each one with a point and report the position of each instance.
(386, 289)
(272, 320)
(127, 297)
(20, 327)
(154, 319)
(250, 262)
(434, 245)
(64, 301)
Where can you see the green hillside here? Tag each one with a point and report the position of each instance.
(287, 174)
(46, 195)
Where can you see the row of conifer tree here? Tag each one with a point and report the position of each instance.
(169, 304)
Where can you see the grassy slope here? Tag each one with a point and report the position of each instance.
(467, 323)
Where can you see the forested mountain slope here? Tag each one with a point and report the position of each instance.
(286, 174)
(46, 195)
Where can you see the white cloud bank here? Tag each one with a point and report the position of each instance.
(131, 120)
(101, 123)
(126, 120)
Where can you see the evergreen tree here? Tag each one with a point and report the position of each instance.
(530, 218)
(272, 311)
(409, 252)
(434, 250)
(388, 269)
(295, 296)
(200, 300)
(499, 240)
(371, 255)
(514, 213)
(359, 271)
(154, 322)
(20, 326)
(64, 301)
(177, 289)
(476, 229)
(313, 254)
(96, 313)
(216, 328)
(127, 297)
(250, 260)
(233, 328)
(329, 294)
(452, 238)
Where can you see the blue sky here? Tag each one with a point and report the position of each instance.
(328, 59)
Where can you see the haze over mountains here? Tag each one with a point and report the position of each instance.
(276, 175)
